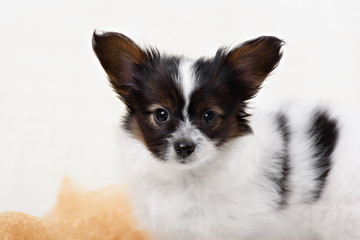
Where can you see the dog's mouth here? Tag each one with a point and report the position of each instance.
(191, 161)
(185, 161)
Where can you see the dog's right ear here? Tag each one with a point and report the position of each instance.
(120, 57)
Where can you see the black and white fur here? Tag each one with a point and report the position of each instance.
(203, 168)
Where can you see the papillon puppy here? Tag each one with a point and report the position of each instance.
(204, 168)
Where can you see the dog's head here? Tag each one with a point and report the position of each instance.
(185, 110)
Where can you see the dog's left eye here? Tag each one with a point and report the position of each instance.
(161, 115)
(210, 117)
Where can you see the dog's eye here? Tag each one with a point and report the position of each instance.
(161, 115)
(210, 117)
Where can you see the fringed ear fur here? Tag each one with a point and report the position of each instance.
(119, 56)
(253, 61)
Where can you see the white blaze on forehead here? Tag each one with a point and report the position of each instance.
(186, 81)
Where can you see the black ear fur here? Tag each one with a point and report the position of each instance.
(120, 57)
(253, 61)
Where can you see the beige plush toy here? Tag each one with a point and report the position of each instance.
(78, 214)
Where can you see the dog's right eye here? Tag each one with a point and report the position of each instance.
(161, 115)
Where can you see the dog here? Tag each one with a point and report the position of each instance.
(204, 168)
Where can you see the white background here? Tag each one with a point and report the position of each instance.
(58, 115)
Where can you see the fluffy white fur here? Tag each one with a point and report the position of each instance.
(229, 196)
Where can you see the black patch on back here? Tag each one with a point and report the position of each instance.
(324, 135)
(281, 180)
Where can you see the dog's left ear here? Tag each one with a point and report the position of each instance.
(252, 62)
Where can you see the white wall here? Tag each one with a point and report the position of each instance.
(58, 115)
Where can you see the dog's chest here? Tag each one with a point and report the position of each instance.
(193, 208)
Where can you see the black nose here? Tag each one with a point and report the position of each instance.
(184, 148)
